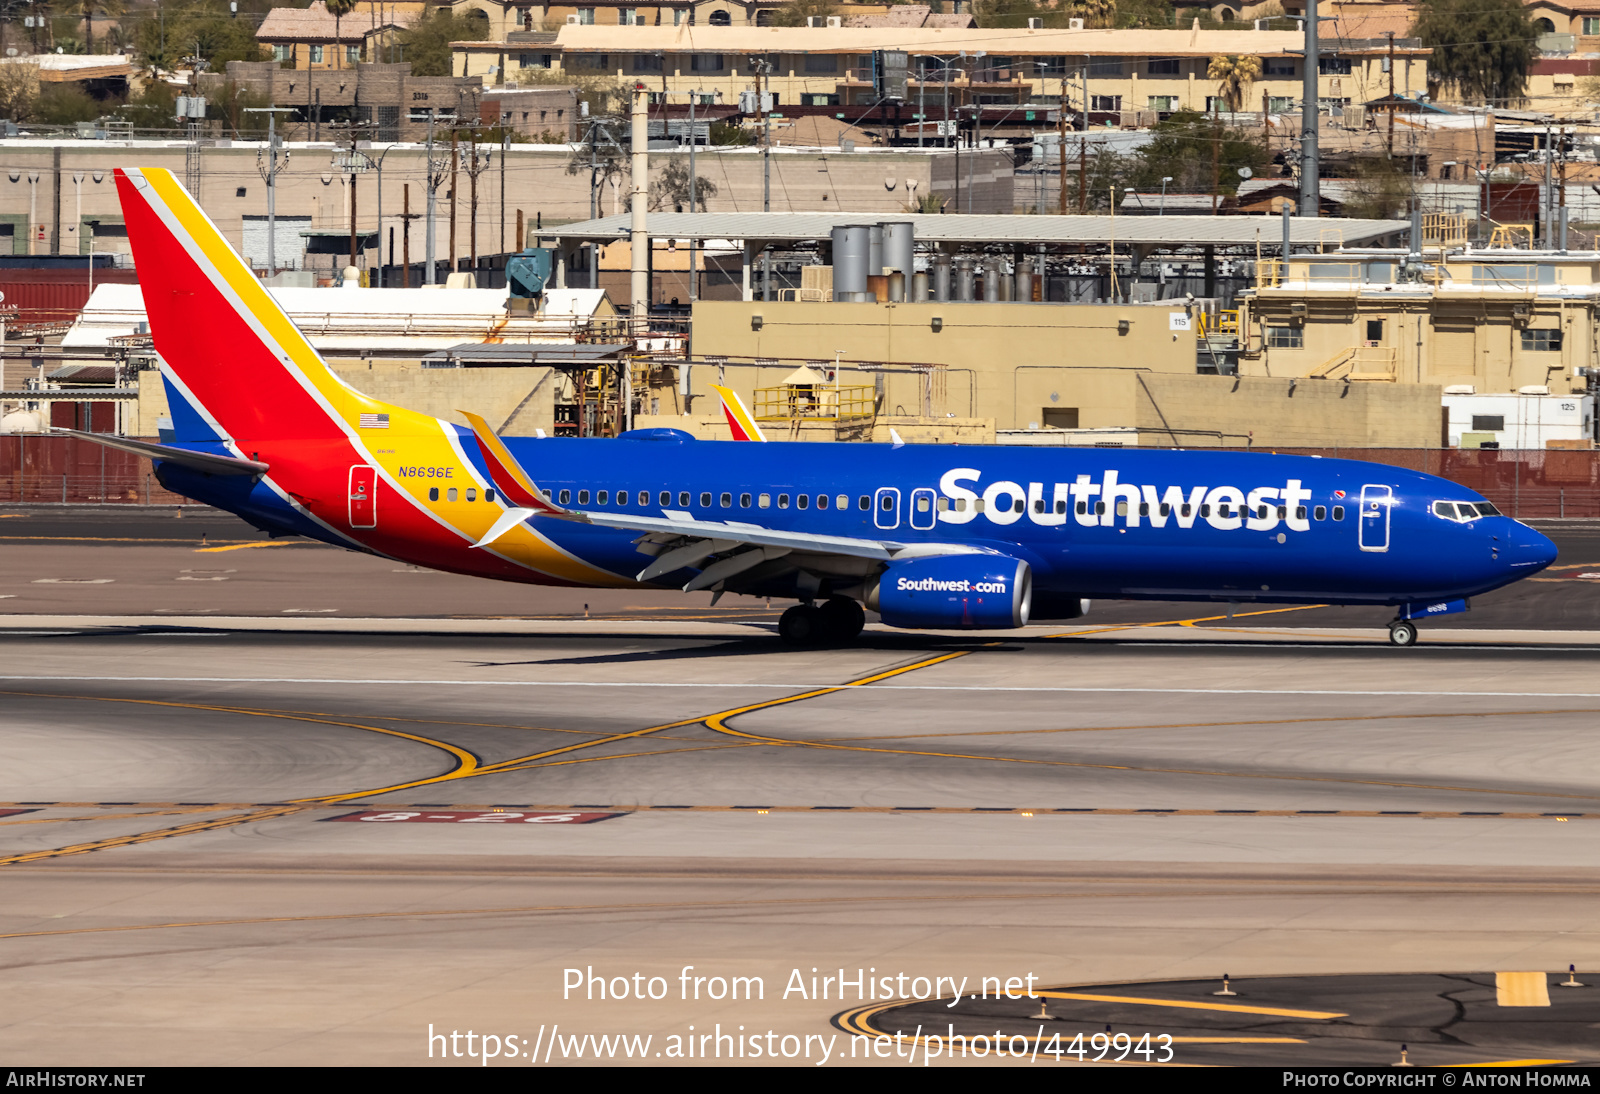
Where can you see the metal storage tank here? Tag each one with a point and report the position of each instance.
(875, 256)
(963, 278)
(900, 246)
(851, 248)
(941, 277)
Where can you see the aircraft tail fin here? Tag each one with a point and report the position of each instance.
(740, 420)
(229, 350)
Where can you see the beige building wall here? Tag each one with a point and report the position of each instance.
(1030, 366)
(535, 178)
(1143, 69)
(1455, 335)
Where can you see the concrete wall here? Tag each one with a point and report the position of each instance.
(999, 361)
(535, 178)
(1268, 413)
(496, 393)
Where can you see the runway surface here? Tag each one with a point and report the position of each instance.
(241, 834)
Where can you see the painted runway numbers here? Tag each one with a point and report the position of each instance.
(457, 816)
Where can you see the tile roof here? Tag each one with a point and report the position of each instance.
(315, 24)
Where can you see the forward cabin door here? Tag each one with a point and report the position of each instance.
(1376, 502)
(363, 497)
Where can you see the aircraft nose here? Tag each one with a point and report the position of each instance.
(1528, 550)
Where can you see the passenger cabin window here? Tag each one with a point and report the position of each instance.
(705, 500)
(783, 501)
(644, 497)
(822, 501)
(683, 499)
(488, 496)
(583, 497)
(472, 493)
(1338, 512)
(863, 503)
(727, 501)
(1321, 512)
(450, 495)
(565, 497)
(433, 493)
(802, 500)
(744, 501)
(766, 501)
(601, 497)
(843, 501)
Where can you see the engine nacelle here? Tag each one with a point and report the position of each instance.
(966, 591)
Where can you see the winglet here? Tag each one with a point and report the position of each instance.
(507, 474)
(739, 420)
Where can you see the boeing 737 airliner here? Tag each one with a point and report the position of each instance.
(928, 536)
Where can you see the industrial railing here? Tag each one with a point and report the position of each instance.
(1444, 229)
(1225, 321)
(1362, 363)
(818, 403)
(1511, 235)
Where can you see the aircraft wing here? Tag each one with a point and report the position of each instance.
(209, 462)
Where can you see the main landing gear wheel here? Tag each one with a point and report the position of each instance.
(841, 619)
(838, 620)
(1402, 634)
(801, 625)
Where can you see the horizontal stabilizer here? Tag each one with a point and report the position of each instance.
(508, 520)
(209, 462)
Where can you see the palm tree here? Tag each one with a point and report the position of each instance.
(1099, 13)
(1233, 76)
(339, 9)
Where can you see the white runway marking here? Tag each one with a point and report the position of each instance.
(1409, 693)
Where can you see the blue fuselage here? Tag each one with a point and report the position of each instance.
(1128, 523)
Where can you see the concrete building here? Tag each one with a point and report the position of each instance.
(60, 197)
(1128, 71)
(1492, 321)
(510, 18)
(1057, 370)
(311, 39)
(387, 96)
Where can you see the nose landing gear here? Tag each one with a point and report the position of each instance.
(836, 620)
(1402, 633)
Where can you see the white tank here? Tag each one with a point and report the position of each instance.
(22, 421)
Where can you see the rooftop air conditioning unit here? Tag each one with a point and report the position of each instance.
(1074, 24)
(1533, 389)
(814, 21)
(1035, 24)
(572, 20)
(835, 21)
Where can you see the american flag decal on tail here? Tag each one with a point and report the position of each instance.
(374, 421)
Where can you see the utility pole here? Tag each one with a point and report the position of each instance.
(477, 163)
(1061, 156)
(269, 166)
(455, 169)
(639, 240)
(406, 217)
(436, 169)
(1083, 146)
(1216, 154)
(766, 172)
(1391, 94)
(505, 146)
(1310, 181)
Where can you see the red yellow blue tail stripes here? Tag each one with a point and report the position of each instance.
(371, 474)
(739, 419)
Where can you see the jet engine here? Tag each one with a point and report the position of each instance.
(966, 591)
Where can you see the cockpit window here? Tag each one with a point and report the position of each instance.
(1464, 511)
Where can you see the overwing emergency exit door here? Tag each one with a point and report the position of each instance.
(886, 507)
(1376, 502)
(363, 497)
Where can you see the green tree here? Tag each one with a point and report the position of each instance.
(1234, 75)
(152, 108)
(66, 104)
(339, 9)
(204, 28)
(427, 45)
(1482, 48)
(1381, 190)
(1182, 151)
(19, 90)
(669, 190)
